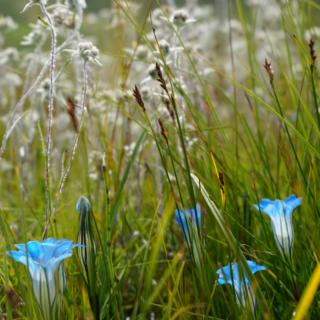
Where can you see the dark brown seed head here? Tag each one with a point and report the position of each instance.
(160, 78)
(268, 66)
(312, 51)
(137, 95)
(163, 130)
(71, 109)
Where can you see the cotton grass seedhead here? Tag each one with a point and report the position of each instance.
(181, 17)
(7, 24)
(142, 52)
(88, 52)
(63, 17)
(164, 46)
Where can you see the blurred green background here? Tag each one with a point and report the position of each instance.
(8, 7)
(13, 8)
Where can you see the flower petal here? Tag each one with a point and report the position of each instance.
(291, 203)
(255, 267)
(17, 256)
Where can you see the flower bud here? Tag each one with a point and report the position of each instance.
(87, 248)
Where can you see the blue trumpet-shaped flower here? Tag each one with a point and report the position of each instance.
(230, 274)
(43, 260)
(189, 215)
(190, 223)
(280, 213)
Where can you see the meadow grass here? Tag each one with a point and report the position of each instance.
(223, 113)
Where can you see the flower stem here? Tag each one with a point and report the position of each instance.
(50, 115)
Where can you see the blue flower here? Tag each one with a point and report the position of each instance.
(189, 215)
(43, 260)
(280, 213)
(231, 275)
